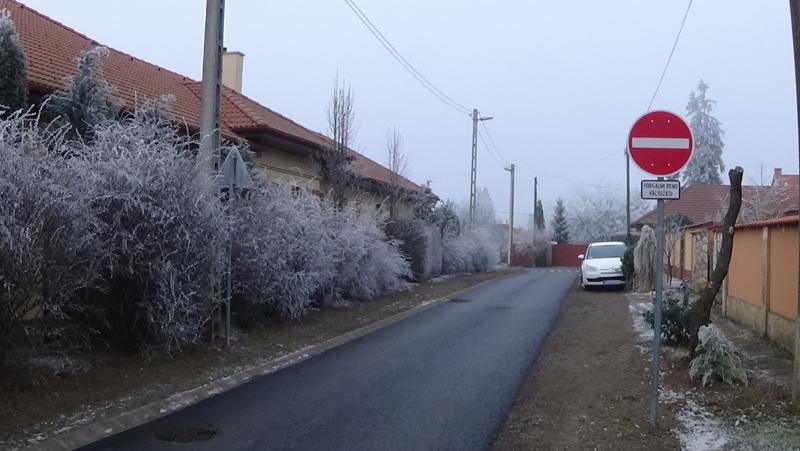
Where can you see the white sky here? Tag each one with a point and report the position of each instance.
(563, 79)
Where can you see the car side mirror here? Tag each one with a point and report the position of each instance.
(581, 257)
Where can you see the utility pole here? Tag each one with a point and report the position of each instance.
(628, 196)
(511, 216)
(212, 84)
(473, 188)
(535, 201)
(794, 9)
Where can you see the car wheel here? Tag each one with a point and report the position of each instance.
(583, 285)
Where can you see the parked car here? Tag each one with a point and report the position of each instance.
(602, 265)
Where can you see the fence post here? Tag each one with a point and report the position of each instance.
(765, 278)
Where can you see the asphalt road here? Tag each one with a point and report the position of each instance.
(443, 379)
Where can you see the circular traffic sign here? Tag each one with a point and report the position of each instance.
(660, 143)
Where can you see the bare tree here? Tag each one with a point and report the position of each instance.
(759, 202)
(397, 162)
(336, 161)
(701, 310)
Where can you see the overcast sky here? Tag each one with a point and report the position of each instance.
(563, 79)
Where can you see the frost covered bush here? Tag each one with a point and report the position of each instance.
(470, 252)
(49, 245)
(367, 262)
(290, 248)
(717, 359)
(163, 232)
(282, 253)
(644, 258)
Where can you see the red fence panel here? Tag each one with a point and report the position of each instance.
(567, 254)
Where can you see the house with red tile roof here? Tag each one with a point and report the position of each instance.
(704, 203)
(285, 150)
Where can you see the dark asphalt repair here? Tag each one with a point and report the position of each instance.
(443, 379)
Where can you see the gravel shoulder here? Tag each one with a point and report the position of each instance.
(589, 387)
(43, 397)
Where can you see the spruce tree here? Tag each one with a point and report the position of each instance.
(13, 73)
(87, 100)
(538, 216)
(706, 163)
(560, 232)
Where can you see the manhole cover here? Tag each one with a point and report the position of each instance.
(188, 434)
(459, 300)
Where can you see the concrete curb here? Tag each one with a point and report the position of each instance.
(106, 427)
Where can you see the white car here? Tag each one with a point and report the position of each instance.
(602, 265)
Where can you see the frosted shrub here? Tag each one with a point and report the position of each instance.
(367, 262)
(717, 359)
(282, 253)
(470, 252)
(48, 237)
(164, 232)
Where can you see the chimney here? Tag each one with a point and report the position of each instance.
(777, 175)
(232, 64)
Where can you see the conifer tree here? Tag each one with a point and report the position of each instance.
(13, 72)
(87, 100)
(706, 164)
(538, 218)
(560, 227)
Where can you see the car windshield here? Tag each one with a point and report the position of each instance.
(606, 251)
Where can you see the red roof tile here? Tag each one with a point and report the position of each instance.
(702, 203)
(51, 48)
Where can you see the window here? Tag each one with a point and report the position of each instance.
(606, 251)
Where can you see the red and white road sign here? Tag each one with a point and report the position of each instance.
(660, 143)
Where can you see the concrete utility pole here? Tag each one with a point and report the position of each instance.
(794, 9)
(511, 216)
(628, 196)
(473, 188)
(210, 139)
(535, 201)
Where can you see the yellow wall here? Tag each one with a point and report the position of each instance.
(783, 263)
(289, 167)
(745, 272)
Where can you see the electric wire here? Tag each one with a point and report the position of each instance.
(427, 84)
(671, 52)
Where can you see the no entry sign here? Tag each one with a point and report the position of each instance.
(660, 143)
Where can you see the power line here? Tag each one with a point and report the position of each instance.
(671, 52)
(427, 84)
(486, 129)
(491, 153)
(560, 177)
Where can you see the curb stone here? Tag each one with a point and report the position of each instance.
(106, 427)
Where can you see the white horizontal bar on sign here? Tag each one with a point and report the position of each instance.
(661, 143)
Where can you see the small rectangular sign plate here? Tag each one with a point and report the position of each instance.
(661, 189)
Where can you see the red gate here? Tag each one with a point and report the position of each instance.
(567, 254)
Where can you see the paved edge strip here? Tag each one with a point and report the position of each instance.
(107, 427)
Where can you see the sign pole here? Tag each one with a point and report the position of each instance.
(229, 294)
(656, 368)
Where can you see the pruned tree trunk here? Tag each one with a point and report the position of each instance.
(701, 311)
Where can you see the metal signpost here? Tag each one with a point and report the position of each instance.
(234, 176)
(661, 144)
